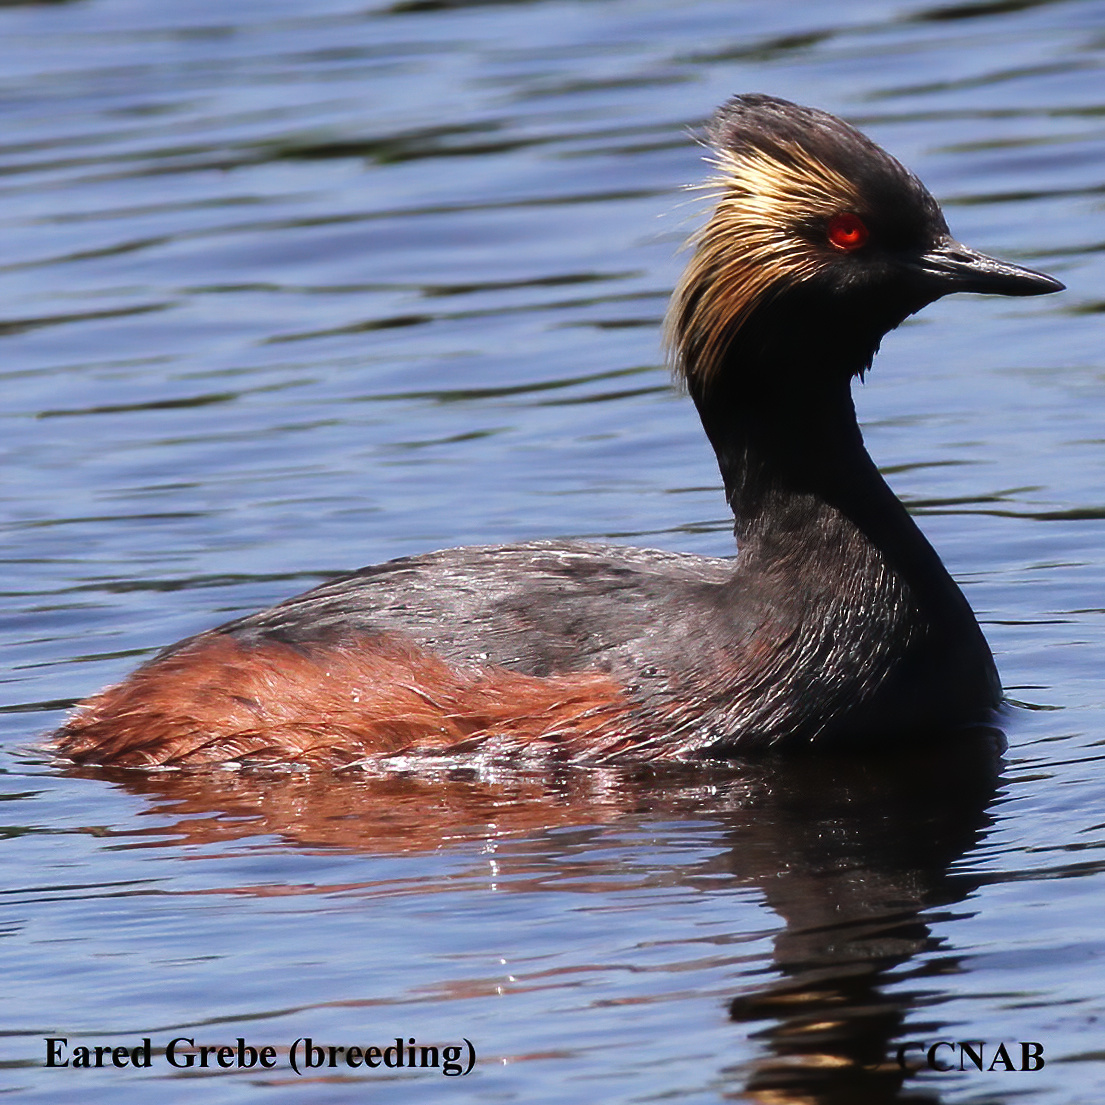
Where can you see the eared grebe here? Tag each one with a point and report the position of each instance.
(835, 622)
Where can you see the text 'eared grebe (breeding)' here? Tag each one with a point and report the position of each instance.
(835, 622)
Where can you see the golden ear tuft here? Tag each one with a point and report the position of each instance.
(750, 249)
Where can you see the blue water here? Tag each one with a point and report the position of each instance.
(286, 289)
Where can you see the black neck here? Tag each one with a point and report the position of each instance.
(805, 492)
(830, 561)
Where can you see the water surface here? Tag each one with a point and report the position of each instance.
(286, 289)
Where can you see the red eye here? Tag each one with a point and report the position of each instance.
(847, 232)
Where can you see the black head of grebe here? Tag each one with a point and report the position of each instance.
(820, 243)
(835, 622)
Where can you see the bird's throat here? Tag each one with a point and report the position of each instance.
(819, 528)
